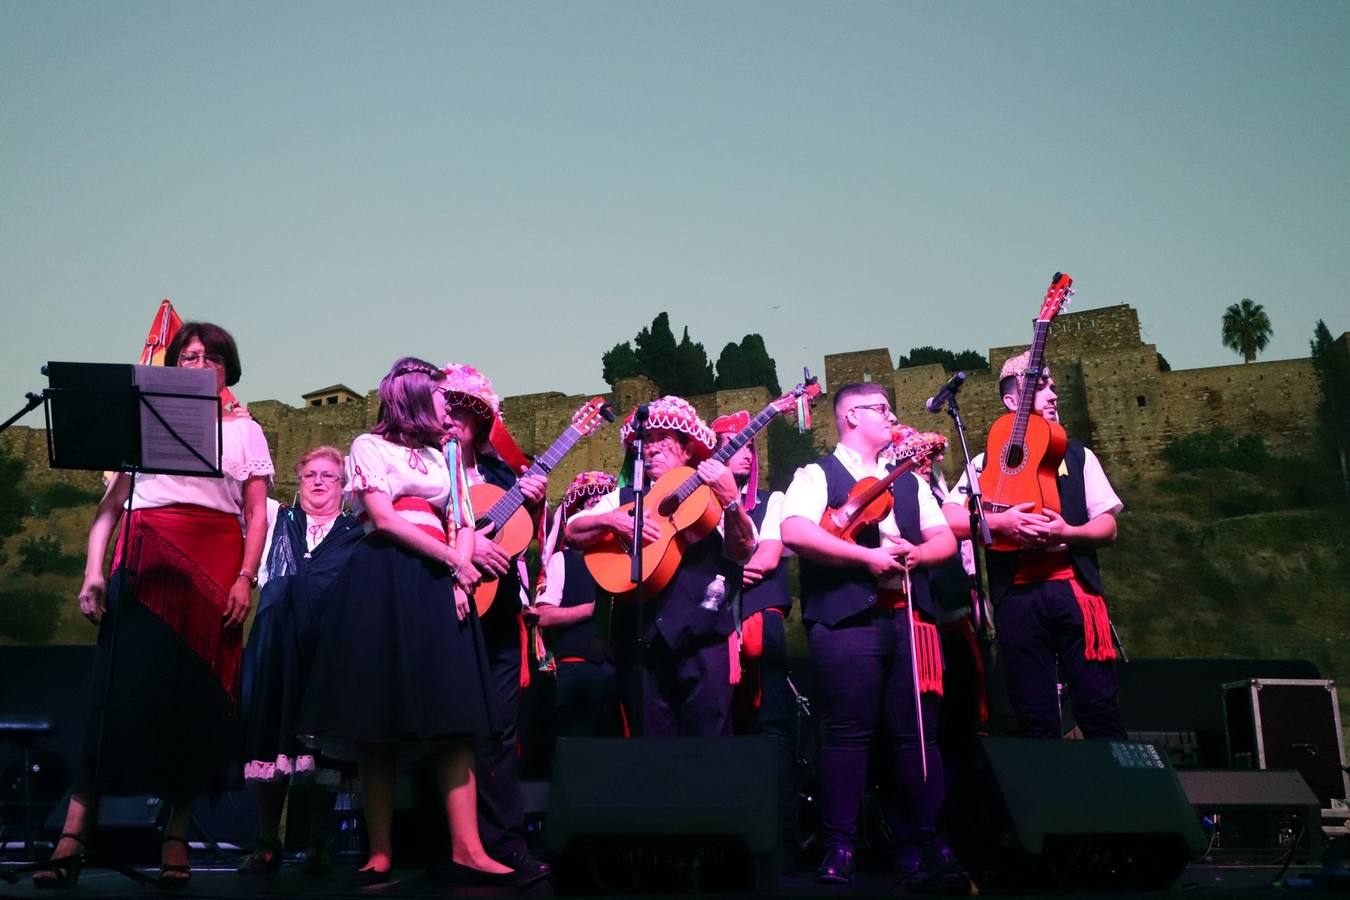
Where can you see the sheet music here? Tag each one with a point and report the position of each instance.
(190, 420)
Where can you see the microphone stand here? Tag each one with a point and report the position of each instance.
(34, 401)
(635, 570)
(978, 525)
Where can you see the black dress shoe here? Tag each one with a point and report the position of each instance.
(529, 869)
(837, 867)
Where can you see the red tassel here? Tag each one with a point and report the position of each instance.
(1097, 643)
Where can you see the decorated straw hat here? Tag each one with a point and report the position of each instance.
(585, 486)
(735, 423)
(466, 386)
(1016, 366)
(672, 413)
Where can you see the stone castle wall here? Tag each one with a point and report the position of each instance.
(1112, 394)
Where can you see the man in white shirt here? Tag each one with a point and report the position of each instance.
(856, 626)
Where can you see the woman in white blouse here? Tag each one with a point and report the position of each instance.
(401, 667)
(166, 674)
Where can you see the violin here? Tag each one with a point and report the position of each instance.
(869, 501)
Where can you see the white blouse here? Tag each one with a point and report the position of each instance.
(244, 455)
(375, 464)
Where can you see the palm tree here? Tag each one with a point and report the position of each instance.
(1246, 329)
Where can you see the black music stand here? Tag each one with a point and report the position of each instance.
(128, 419)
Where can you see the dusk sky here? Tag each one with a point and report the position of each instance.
(521, 185)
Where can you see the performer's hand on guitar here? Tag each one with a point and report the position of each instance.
(1058, 532)
(92, 603)
(533, 488)
(488, 556)
(1029, 530)
(718, 477)
(621, 523)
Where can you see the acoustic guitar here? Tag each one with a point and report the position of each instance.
(685, 510)
(509, 525)
(1023, 453)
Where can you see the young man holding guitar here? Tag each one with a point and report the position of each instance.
(472, 412)
(686, 674)
(1047, 592)
(861, 635)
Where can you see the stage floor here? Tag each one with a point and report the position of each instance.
(215, 879)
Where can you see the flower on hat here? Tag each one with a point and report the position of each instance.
(584, 486)
(671, 413)
(466, 386)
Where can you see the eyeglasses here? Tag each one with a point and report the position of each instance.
(196, 359)
(325, 477)
(883, 408)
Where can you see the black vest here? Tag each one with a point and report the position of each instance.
(773, 590)
(948, 583)
(500, 619)
(905, 494)
(1073, 507)
(831, 594)
(579, 639)
(675, 614)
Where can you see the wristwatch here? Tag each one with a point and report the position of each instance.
(732, 506)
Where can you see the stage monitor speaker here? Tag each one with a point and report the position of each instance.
(1082, 815)
(1289, 723)
(1257, 817)
(663, 815)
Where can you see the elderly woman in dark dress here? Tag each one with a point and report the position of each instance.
(309, 544)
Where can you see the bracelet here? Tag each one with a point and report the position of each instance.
(454, 569)
(250, 577)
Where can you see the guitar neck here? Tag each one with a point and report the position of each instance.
(512, 500)
(1030, 380)
(730, 449)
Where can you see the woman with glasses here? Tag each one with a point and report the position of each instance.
(165, 684)
(309, 544)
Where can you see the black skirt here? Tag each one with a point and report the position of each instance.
(395, 664)
(159, 720)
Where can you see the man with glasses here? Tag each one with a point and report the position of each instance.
(856, 628)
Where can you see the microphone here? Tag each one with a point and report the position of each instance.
(642, 412)
(938, 401)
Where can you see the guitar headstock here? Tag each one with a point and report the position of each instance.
(591, 416)
(807, 391)
(1057, 297)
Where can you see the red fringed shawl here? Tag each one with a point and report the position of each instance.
(182, 562)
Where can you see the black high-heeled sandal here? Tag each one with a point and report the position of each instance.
(61, 871)
(181, 874)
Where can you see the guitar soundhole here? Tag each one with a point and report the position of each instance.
(668, 505)
(480, 524)
(1013, 458)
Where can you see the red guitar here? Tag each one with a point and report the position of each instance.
(684, 508)
(511, 526)
(1023, 453)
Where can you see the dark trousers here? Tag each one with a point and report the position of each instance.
(776, 717)
(865, 684)
(501, 808)
(1040, 634)
(586, 699)
(685, 693)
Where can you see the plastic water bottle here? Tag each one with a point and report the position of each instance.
(715, 594)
